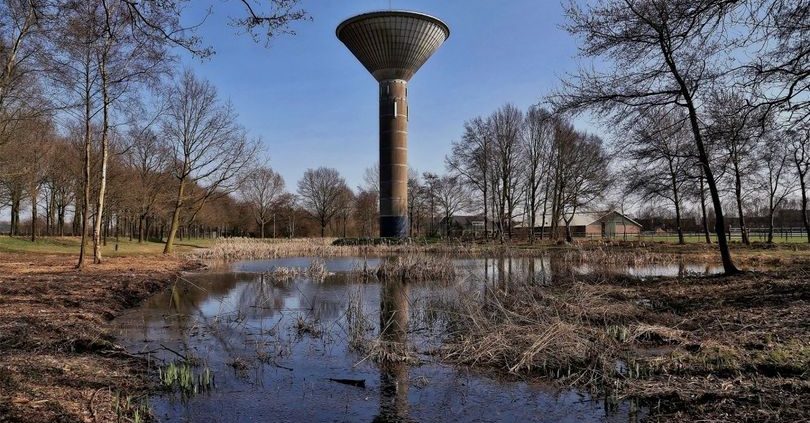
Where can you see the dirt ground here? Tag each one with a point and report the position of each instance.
(58, 363)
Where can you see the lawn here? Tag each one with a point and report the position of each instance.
(690, 239)
(70, 245)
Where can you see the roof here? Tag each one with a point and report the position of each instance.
(461, 220)
(584, 218)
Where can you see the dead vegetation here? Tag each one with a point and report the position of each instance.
(57, 360)
(316, 271)
(417, 267)
(758, 255)
(715, 349)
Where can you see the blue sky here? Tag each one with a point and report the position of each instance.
(313, 104)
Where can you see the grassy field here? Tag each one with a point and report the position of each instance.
(70, 245)
(700, 239)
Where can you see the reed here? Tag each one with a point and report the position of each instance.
(358, 324)
(316, 271)
(417, 267)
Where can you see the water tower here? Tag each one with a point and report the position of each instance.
(393, 45)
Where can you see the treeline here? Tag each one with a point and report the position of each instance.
(96, 126)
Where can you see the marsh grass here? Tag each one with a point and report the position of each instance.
(311, 327)
(358, 324)
(375, 347)
(181, 376)
(578, 254)
(230, 249)
(417, 267)
(316, 271)
(689, 346)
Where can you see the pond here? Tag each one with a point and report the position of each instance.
(275, 350)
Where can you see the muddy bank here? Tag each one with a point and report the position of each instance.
(58, 362)
(692, 348)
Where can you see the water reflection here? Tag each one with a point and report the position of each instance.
(245, 316)
(394, 381)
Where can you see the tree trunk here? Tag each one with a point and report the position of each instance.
(738, 198)
(569, 237)
(169, 248)
(804, 211)
(532, 210)
(262, 230)
(33, 215)
(705, 220)
(14, 230)
(720, 222)
(681, 240)
(87, 151)
(803, 188)
(60, 220)
(486, 210)
(674, 178)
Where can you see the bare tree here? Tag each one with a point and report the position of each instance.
(431, 189)
(507, 127)
(125, 59)
(262, 188)
(452, 196)
(537, 142)
(654, 54)
(733, 127)
(586, 176)
(659, 148)
(37, 153)
(149, 158)
(23, 27)
(345, 203)
(775, 179)
(365, 211)
(320, 191)
(209, 148)
(800, 149)
(471, 157)
(779, 73)
(263, 20)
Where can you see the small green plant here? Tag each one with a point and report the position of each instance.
(129, 408)
(180, 376)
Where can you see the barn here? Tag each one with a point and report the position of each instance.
(604, 224)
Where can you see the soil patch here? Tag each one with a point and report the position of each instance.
(58, 362)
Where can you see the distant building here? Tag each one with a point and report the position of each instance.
(463, 226)
(605, 224)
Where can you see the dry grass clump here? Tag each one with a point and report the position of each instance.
(229, 249)
(714, 349)
(358, 323)
(311, 327)
(417, 267)
(316, 271)
(379, 350)
(618, 257)
(525, 332)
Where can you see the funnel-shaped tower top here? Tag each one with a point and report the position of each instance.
(392, 44)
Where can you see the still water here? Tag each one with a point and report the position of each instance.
(280, 351)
